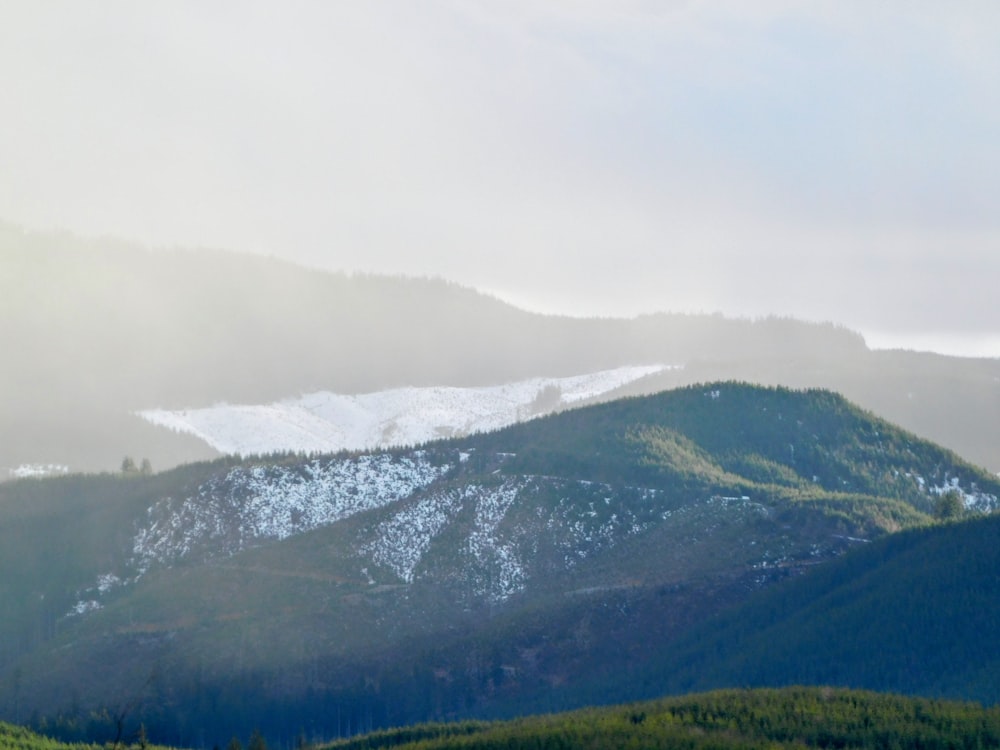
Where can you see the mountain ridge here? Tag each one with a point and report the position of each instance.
(561, 520)
(102, 329)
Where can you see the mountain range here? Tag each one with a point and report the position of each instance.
(95, 331)
(519, 570)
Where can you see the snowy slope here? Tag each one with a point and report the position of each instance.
(326, 422)
(274, 502)
(498, 526)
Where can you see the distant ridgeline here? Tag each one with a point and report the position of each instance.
(176, 329)
(607, 553)
(98, 330)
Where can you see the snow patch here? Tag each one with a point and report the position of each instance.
(256, 503)
(82, 607)
(973, 498)
(327, 422)
(107, 582)
(506, 575)
(26, 471)
(401, 542)
(584, 520)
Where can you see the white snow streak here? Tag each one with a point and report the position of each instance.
(401, 542)
(506, 572)
(328, 422)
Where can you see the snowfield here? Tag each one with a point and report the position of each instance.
(327, 422)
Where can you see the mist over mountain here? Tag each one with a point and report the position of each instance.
(477, 360)
(97, 330)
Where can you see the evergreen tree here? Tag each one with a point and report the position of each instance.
(949, 506)
(257, 741)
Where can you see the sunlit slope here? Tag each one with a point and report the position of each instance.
(15, 737)
(302, 581)
(18, 738)
(792, 718)
(950, 400)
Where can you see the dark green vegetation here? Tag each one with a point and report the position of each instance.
(792, 718)
(57, 535)
(812, 447)
(18, 738)
(787, 718)
(13, 737)
(915, 612)
(92, 331)
(557, 563)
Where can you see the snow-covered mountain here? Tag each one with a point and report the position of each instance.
(327, 422)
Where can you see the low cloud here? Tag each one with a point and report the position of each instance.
(836, 161)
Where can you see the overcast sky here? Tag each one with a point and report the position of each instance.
(829, 160)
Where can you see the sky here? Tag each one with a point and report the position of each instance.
(833, 161)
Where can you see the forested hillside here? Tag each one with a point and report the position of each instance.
(508, 572)
(789, 718)
(916, 613)
(812, 717)
(15, 737)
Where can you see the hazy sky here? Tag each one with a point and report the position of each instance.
(830, 160)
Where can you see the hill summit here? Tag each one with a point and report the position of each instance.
(483, 568)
